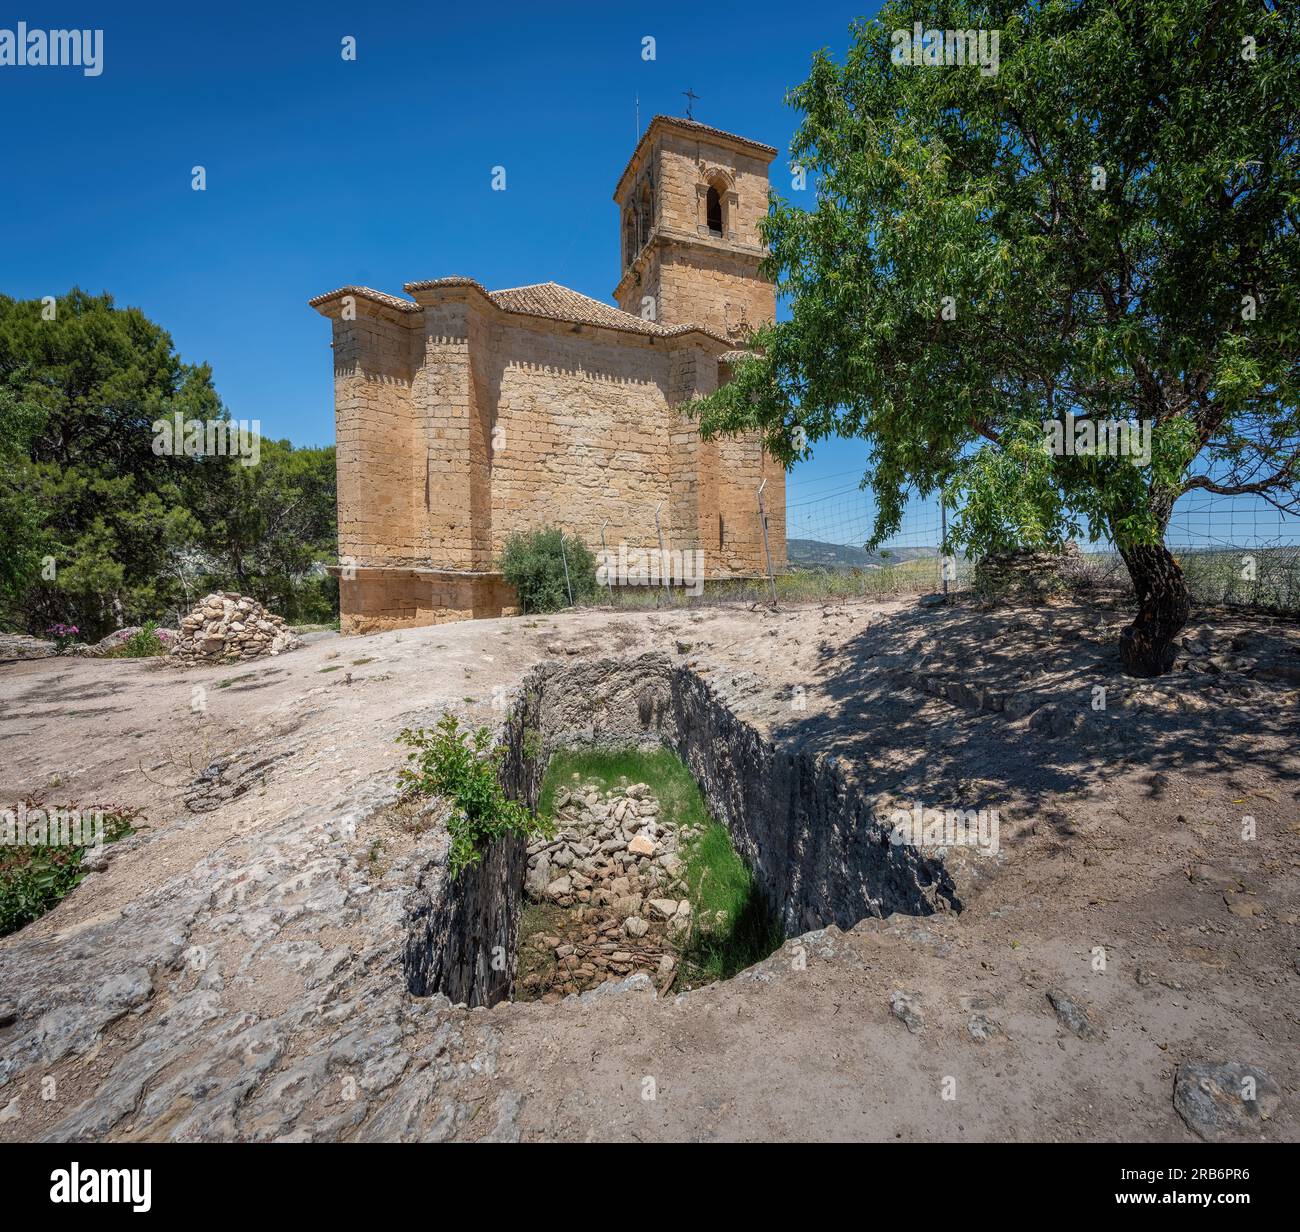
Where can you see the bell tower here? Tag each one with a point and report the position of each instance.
(690, 201)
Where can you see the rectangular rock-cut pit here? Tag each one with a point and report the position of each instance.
(817, 850)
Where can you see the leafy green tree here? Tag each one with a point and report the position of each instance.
(544, 566)
(273, 529)
(1105, 227)
(135, 534)
(95, 378)
(19, 516)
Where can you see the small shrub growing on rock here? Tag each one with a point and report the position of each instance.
(533, 563)
(36, 876)
(462, 767)
(144, 643)
(136, 642)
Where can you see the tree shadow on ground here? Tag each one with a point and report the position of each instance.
(873, 714)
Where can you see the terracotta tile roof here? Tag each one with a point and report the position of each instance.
(377, 297)
(716, 132)
(557, 303)
(451, 280)
(549, 299)
(542, 299)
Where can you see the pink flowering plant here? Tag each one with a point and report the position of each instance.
(64, 635)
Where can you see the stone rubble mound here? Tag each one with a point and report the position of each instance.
(1026, 573)
(226, 626)
(615, 863)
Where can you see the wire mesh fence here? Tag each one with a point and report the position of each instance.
(1236, 551)
(1239, 551)
(825, 533)
(825, 560)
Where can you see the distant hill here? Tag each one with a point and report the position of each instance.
(813, 554)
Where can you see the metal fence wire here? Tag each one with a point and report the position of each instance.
(1238, 551)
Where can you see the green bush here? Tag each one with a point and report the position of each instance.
(449, 762)
(144, 643)
(36, 877)
(533, 563)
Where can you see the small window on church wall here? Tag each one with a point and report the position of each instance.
(630, 244)
(713, 210)
(647, 211)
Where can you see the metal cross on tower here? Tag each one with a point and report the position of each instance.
(691, 97)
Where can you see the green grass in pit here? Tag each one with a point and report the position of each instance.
(716, 878)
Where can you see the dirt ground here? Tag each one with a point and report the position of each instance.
(1147, 878)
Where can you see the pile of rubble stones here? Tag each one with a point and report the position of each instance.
(1026, 572)
(225, 627)
(614, 865)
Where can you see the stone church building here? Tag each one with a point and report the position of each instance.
(464, 415)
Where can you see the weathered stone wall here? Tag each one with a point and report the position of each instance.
(689, 162)
(375, 600)
(1027, 573)
(457, 927)
(375, 448)
(713, 287)
(462, 925)
(738, 467)
(451, 409)
(584, 427)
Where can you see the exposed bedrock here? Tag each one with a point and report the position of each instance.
(464, 932)
(462, 937)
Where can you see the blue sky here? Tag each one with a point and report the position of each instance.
(322, 172)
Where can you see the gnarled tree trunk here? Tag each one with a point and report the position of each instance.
(1147, 645)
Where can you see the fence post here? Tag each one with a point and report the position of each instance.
(564, 556)
(604, 551)
(663, 556)
(767, 552)
(943, 541)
